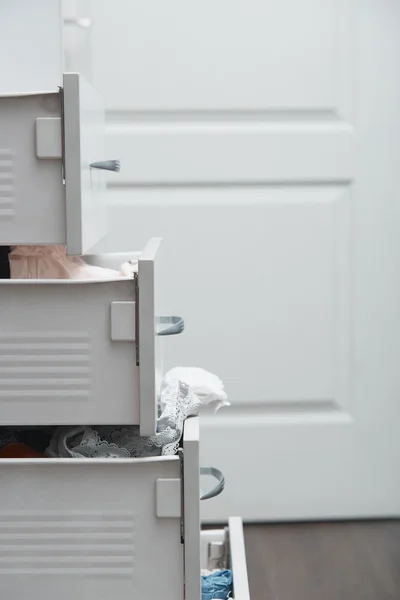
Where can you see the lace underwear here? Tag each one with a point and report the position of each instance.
(177, 403)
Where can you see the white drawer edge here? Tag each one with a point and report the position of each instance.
(148, 352)
(191, 489)
(238, 559)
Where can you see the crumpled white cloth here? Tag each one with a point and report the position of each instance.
(52, 262)
(207, 386)
(178, 402)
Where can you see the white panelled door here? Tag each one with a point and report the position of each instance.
(261, 140)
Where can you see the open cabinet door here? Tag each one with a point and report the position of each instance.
(83, 144)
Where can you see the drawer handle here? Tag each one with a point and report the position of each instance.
(107, 165)
(219, 476)
(170, 325)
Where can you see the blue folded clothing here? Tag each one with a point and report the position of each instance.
(217, 585)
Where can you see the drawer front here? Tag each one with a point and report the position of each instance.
(88, 529)
(191, 489)
(148, 343)
(153, 328)
(222, 548)
(83, 145)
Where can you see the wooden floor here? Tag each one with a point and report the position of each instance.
(336, 561)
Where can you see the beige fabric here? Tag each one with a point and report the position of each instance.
(51, 262)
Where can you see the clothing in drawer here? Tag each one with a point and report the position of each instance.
(50, 190)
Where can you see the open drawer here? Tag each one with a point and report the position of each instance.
(83, 352)
(50, 190)
(225, 549)
(108, 528)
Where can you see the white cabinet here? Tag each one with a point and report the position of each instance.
(84, 351)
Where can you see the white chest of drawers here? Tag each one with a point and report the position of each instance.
(84, 352)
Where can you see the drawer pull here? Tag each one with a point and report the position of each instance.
(107, 165)
(170, 325)
(219, 487)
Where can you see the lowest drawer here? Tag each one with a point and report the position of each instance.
(100, 529)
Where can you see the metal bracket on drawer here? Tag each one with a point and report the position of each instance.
(218, 554)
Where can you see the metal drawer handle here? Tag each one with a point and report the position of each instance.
(170, 325)
(107, 165)
(219, 476)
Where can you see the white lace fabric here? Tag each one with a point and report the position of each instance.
(207, 386)
(177, 403)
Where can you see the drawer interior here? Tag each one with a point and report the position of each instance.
(225, 548)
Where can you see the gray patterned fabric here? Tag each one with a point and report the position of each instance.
(177, 403)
